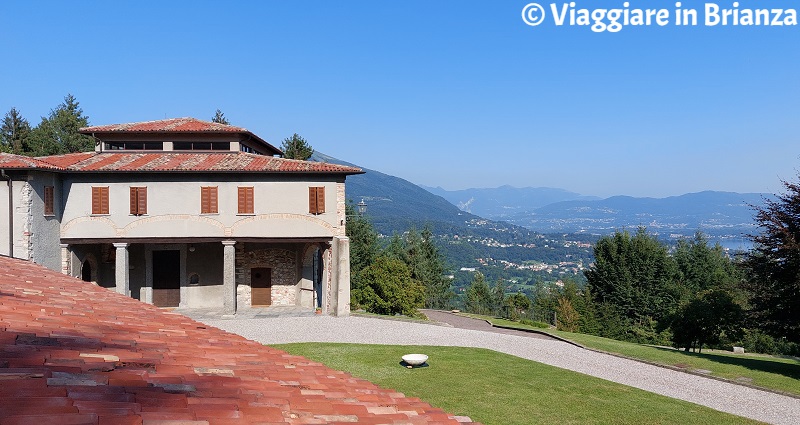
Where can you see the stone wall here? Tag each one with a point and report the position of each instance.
(340, 209)
(284, 275)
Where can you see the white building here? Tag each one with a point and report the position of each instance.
(183, 213)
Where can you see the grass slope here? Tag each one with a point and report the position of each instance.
(496, 388)
(775, 373)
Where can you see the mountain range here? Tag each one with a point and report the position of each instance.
(548, 210)
(509, 213)
(395, 205)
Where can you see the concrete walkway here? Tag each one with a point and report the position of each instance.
(739, 400)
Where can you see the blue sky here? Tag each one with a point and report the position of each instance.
(442, 93)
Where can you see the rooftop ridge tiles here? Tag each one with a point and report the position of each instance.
(165, 125)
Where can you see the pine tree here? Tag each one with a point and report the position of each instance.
(14, 133)
(58, 132)
(499, 296)
(479, 298)
(219, 118)
(363, 250)
(774, 265)
(431, 273)
(296, 147)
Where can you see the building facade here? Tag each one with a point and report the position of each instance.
(183, 213)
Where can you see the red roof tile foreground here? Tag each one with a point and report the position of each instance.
(171, 162)
(74, 353)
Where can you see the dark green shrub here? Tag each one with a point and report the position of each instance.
(534, 323)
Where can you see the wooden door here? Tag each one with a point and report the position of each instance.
(261, 286)
(166, 278)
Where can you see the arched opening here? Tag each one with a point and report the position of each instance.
(86, 271)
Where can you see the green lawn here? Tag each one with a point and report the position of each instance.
(496, 388)
(776, 373)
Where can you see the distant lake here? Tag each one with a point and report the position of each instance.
(738, 244)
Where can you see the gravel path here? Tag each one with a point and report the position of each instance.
(462, 322)
(739, 400)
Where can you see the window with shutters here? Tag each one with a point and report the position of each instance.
(49, 201)
(208, 200)
(99, 199)
(246, 200)
(138, 200)
(316, 200)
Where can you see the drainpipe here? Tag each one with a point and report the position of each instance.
(10, 213)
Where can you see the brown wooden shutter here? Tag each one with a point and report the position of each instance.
(312, 200)
(213, 200)
(204, 207)
(320, 200)
(134, 201)
(245, 197)
(100, 200)
(138, 200)
(104, 200)
(316, 200)
(142, 200)
(48, 201)
(96, 200)
(208, 200)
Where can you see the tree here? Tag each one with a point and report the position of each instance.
(364, 248)
(636, 277)
(701, 267)
(58, 132)
(567, 318)
(14, 133)
(586, 309)
(219, 118)
(363, 240)
(519, 304)
(774, 265)
(704, 319)
(388, 288)
(396, 248)
(479, 300)
(499, 297)
(430, 272)
(296, 147)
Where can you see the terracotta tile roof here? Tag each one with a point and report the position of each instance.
(202, 162)
(172, 125)
(74, 353)
(10, 161)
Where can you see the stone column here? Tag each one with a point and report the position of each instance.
(342, 276)
(229, 277)
(65, 259)
(121, 271)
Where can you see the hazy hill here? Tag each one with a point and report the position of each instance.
(712, 212)
(503, 202)
(395, 205)
(727, 216)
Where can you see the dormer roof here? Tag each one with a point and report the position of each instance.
(174, 126)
